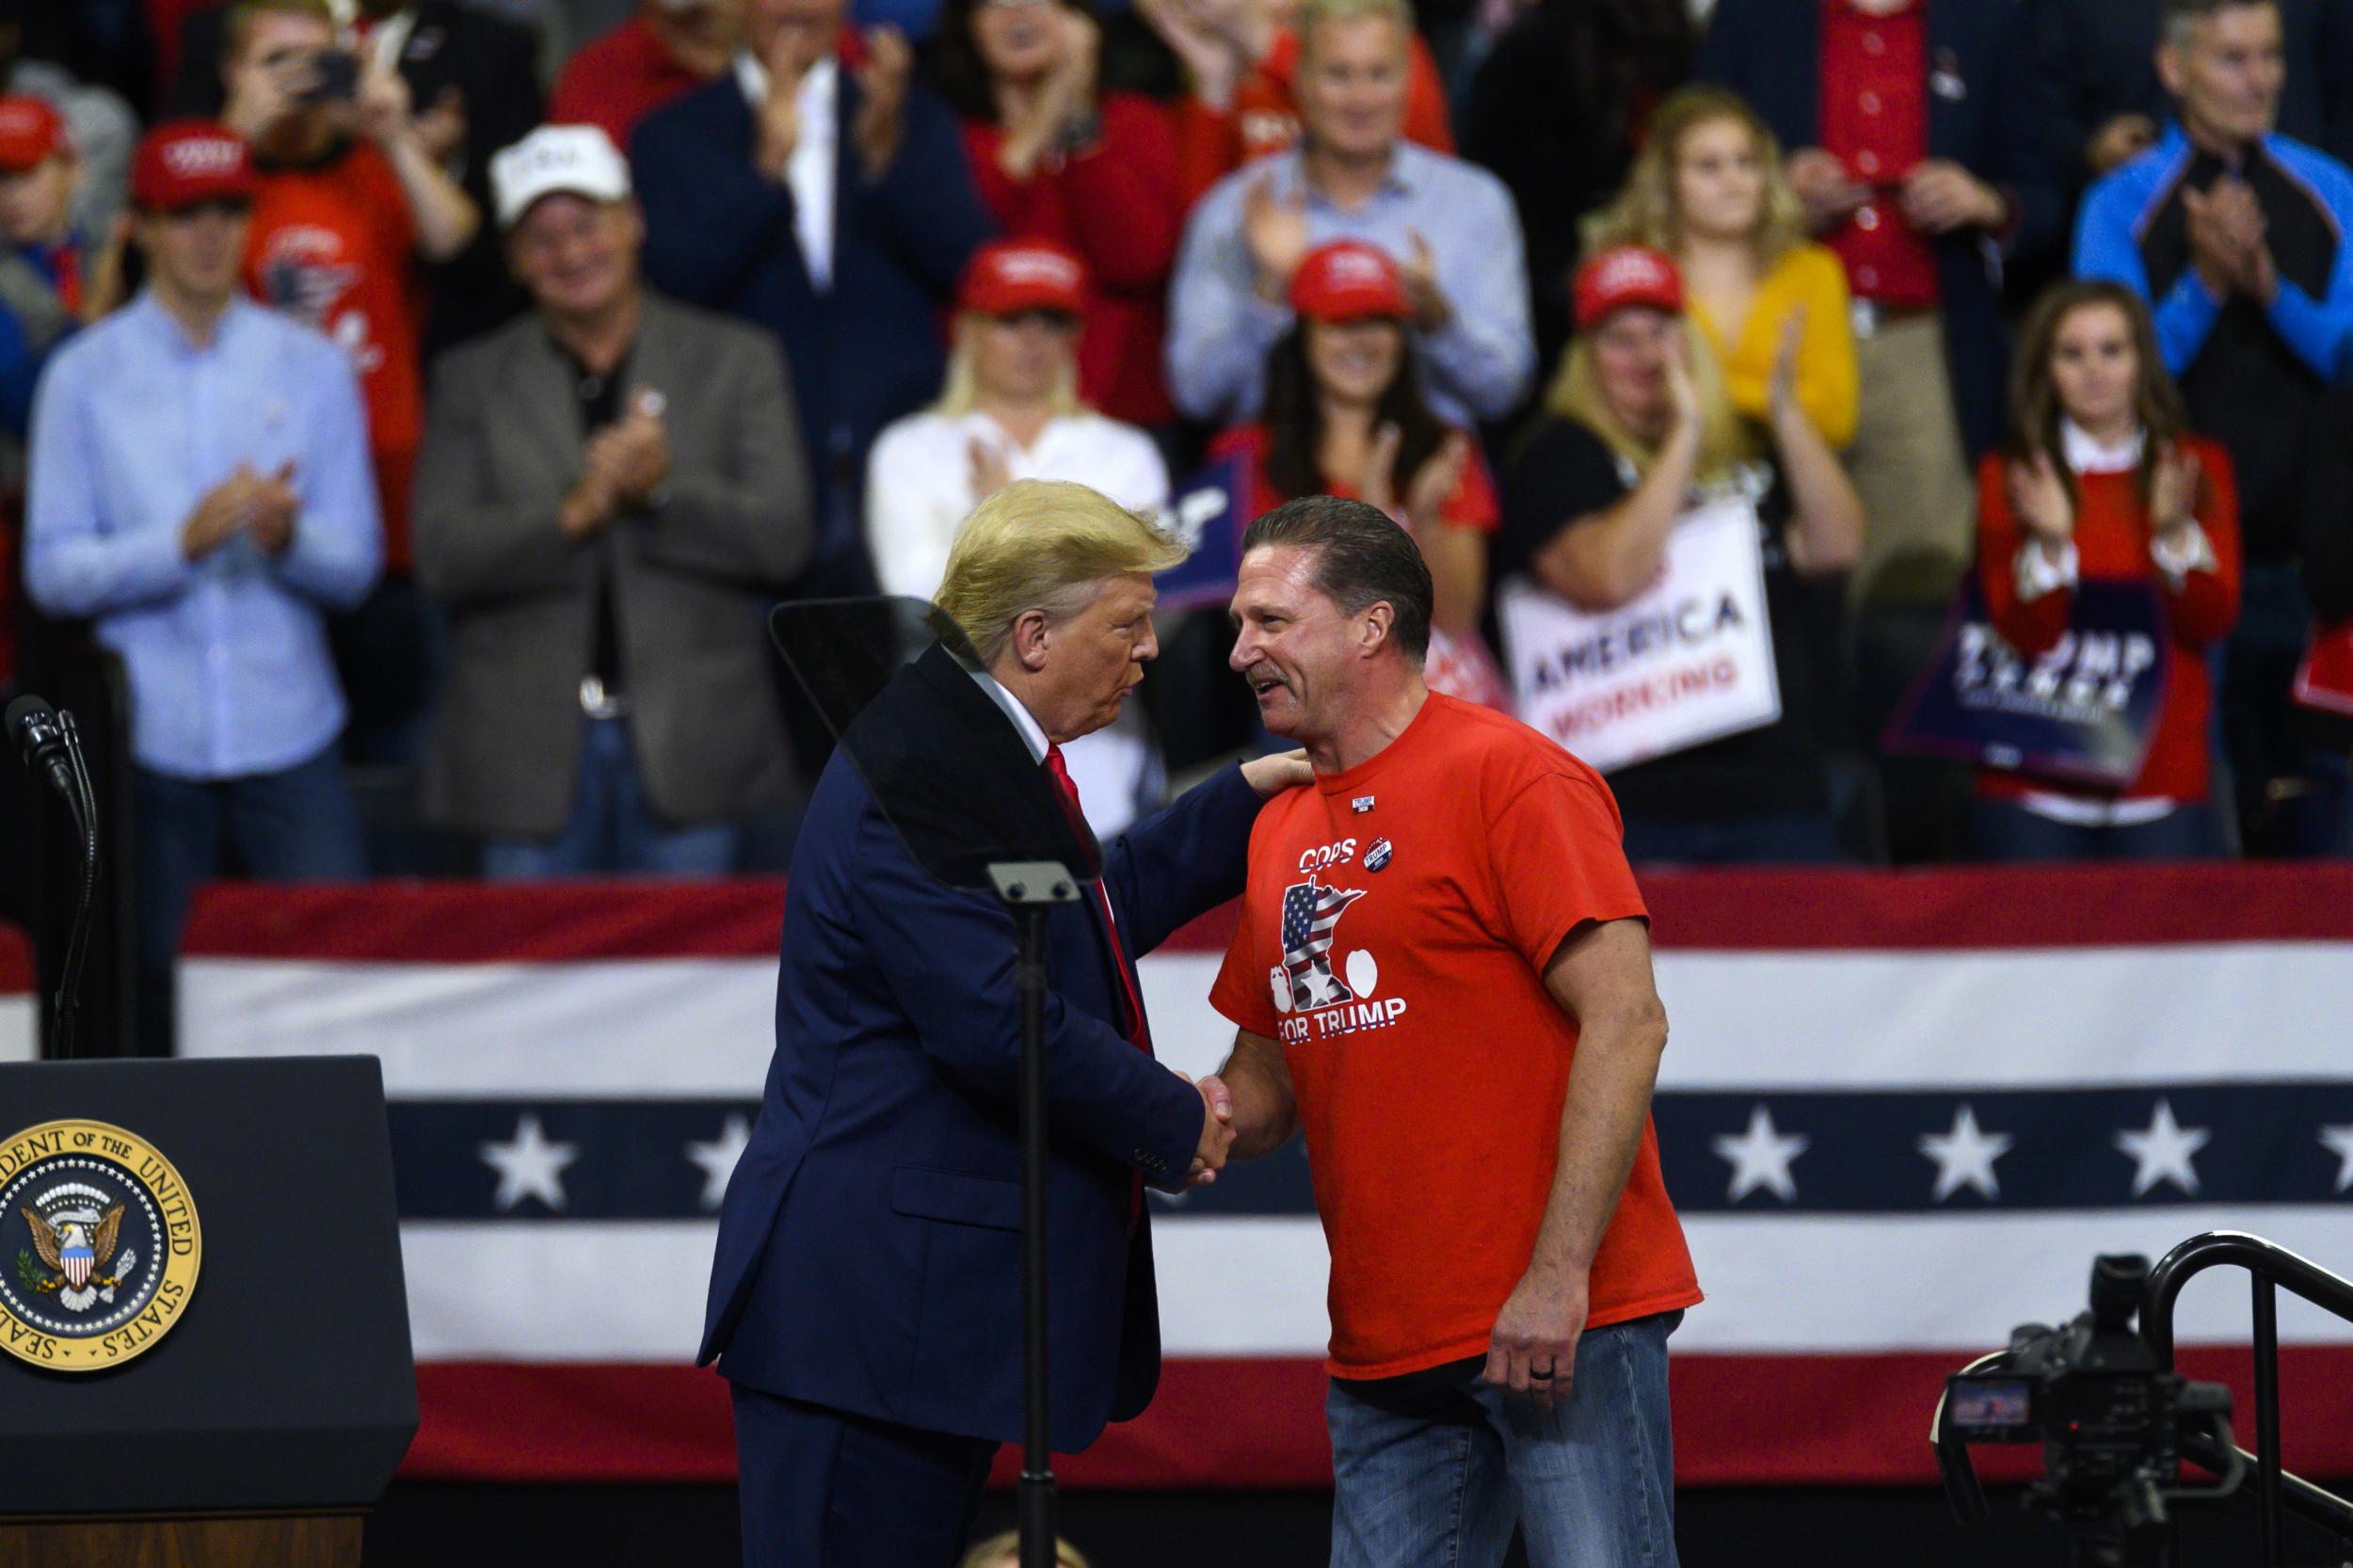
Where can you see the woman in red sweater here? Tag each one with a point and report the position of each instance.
(2102, 481)
(1344, 416)
(1058, 159)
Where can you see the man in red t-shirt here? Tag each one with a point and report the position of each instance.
(1441, 974)
(349, 205)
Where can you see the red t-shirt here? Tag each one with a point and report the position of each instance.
(618, 80)
(2111, 540)
(1875, 120)
(332, 245)
(1393, 937)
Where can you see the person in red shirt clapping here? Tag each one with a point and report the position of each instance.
(1058, 159)
(2102, 480)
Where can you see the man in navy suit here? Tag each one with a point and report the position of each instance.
(817, 190)
(866, 1300)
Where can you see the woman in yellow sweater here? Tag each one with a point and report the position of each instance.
(1708, 188)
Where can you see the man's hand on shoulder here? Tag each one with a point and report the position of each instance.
(1271, 774)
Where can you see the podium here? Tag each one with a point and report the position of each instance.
(204, 1353)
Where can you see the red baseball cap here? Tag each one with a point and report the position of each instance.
(1011, 276)
(1348, 281)
(1621, 276)
(30, 133)
(187, 161)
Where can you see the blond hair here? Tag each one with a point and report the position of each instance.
(1575, 393)
(1043, 544)
(961, 394)
(1644, 211)
(997, 1549)
(1314, 13)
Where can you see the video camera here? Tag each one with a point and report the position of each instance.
(2109, 1417)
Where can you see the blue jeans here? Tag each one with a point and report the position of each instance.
(1434, 1470)
(612, 830)
(2002, 832)
(298, 826)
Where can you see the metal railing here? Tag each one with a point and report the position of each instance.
(2269, 1268)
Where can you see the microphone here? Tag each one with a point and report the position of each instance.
(33, 725)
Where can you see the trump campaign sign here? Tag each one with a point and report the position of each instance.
(1686, 661)
(2085, 710)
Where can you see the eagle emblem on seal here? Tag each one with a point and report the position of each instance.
(74, 1237)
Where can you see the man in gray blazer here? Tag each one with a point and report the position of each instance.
(610, 491)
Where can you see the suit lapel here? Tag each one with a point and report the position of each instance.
(539, 384)
(651, 365)
(996, 748)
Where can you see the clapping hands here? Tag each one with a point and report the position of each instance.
(622, 464)
(1064, 102)
(1432, 484)
(2174, 490)
(2228, 244)
(2043, 501)
(1275, 228)
(1420, 275)
(263, 505)
(882, 82)
(1218, 41)
(990, 472)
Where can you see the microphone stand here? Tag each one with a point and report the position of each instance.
(84, 801)
(1028, 887)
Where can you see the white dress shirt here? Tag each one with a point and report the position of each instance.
(809, 170)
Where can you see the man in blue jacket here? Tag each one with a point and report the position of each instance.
(817, 190)
(866, 1300)
(2236, 234)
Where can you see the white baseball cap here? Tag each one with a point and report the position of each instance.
(577, 160)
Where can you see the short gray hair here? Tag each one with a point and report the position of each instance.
(2179, 17)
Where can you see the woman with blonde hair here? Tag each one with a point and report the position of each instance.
(1638, 436)
(1707, 190)
(1011, 410)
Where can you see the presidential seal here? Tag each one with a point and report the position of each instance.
(98, 1246)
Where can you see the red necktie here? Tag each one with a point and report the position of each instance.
(1137, 1031)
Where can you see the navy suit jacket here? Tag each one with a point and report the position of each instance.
(1987, 112)
(869, 1254)
(865, 352)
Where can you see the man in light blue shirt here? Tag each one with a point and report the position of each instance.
(200, 490)
(1449, 226)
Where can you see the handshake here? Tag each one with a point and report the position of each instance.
(1217, 1131)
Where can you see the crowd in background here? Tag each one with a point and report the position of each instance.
(426, 400)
